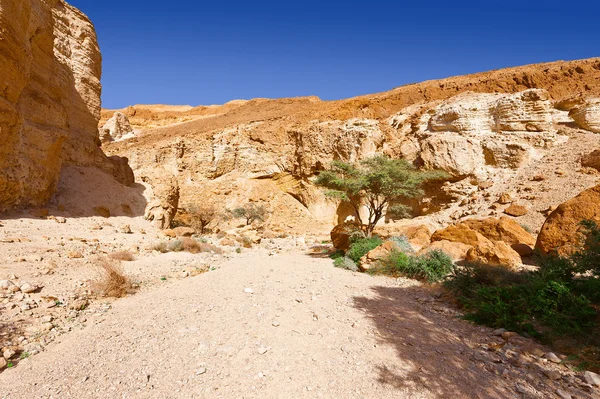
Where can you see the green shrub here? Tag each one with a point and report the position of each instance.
(433, 266)
(403, 244)
(361, 246)
(345, 263)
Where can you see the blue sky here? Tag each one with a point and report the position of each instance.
(199, 52)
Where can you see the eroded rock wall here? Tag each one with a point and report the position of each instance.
(50, 67)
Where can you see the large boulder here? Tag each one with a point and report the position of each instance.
(163, 208)
(377, 254)
(497, 253)
(116, 128)
(591, 160)
(419, 235)
(561, 231)
(492, 241)
(457, 251)
(587, 115)
(341, 234)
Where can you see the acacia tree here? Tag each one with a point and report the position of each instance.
(203, 216)
(250, 212)
(378, 183)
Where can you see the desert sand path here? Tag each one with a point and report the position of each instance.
(307, 330)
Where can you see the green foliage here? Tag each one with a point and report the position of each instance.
(403, 243)
(552, 302)
(345, 262)
(361, 246)
(379, 183)
(433, 266)
(250, 212)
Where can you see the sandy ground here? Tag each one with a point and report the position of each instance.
(283, 326)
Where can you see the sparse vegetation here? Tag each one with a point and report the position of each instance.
(250, 212)
(361, 246)
(111, 281)
(431, 267)
(378, 183)
(123, 256)
(202, 217)
(345, 262)
(556, 303)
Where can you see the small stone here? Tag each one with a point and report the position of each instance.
(28, 288)
(3, 363)
(126, 229)
(508, 335)
(563, 395)
(60, 219)
(248, 290)
(262, 350)
(498, 332)
(552, 357)
(275, 324)
(8, 353)
(553, 375)
(516, 210)
(201, 370)
(592, 378)
(520, 389)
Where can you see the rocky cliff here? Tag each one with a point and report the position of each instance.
(491, 131)
(50, 67)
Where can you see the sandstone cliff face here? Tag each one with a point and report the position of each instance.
(116, 128)
(489, 129)
(587, 114)
(49, 98)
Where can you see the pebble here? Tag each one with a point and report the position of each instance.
(248, 290)
(262, 350)
(592, 378)
(552, 357)
(28, 288)
(521, 389)
(275, 324)
(552, 374)
(201, 370)
(3, 363)
(563, 395)
(8, 353)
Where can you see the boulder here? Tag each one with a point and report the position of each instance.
(460, 233)
(516, 210)
(184, 231)
(341, 234)
(497, 253)
(457, 155)
(419, 236)
(377, 254)
(587, 115)
(561, 231)
(501, 229)
(456, 250)
(116, 127)
(591, 160)
(162, 209)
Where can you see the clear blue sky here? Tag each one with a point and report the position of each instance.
(201, 52)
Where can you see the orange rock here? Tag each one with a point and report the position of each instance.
(561, 231)
(340, 235)
(456, 250)
(377, 254)
(516, 210)
(495, 253)
(460, 233)
(501, 229)
(591, 160)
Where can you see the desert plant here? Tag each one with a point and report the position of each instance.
(250, 212)
(111, 280)
(161, 247)
(201, 217)
(378, 183)
(175, 246)
(190, 245)
(123, 256)
(433, 266)
(361, 246)
(403, 243)
(345, 262)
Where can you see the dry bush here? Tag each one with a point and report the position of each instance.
(190, 245)
(111, 281)
(201, 217)
(123, 255)
(193, 246)
(161, 247)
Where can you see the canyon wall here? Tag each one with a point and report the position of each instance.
(50, 68)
